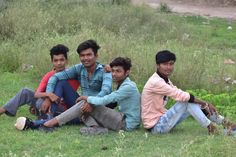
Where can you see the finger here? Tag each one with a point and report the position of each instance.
(77, 100)
(211, 111)
(83, 109)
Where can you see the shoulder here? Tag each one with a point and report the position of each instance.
(80, 65)
(100, 67)
(50, 73)
(155, 79)
(154, 82)
(128, 84)
(75, 68)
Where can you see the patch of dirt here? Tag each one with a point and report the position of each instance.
(216, 8)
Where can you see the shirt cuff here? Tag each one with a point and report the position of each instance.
(89, 99)
(191, 100)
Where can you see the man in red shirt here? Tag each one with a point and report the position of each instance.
(35, 99)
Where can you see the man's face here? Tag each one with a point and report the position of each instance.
(87, 58)
(59, 62)
(119, 74)
(166, 68)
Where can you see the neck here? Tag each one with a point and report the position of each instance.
(163, 76)
(120, 82)
(58, 70)
(91, 69)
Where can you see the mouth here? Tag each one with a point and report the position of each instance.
(168, 72)
(86, 62)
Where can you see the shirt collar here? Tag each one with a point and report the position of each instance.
(126, 79)
(98, 66)
(163, 77)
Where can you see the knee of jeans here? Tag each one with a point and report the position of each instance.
(179, 107)
(25, 91)
(61, 82)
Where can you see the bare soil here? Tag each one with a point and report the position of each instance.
(216, 8)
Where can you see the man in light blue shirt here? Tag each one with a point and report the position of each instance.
(96, 116)
(127, 97)
(94, 81)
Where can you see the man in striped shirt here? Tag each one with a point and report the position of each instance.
(94, 81)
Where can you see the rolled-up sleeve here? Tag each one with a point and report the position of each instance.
(116, 96)
(71, 73)
(106, 85)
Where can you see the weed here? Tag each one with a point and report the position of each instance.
(164, 8)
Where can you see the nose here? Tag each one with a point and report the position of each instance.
(59, 62)
(113, 74)
(169, 66)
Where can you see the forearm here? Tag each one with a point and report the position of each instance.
(40, 95)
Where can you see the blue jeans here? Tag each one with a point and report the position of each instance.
(65, 91)
(177, 113)
(24, 96)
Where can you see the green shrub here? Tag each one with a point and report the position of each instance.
(164, 8)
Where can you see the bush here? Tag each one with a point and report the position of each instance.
(164, 8)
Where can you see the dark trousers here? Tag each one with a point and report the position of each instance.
(67, 93)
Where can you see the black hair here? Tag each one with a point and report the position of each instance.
(88, 44)
(120, 61)
(165, 56)
(59, 49)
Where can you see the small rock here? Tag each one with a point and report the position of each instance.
(229, 28)
(227, 79)
(229, 61)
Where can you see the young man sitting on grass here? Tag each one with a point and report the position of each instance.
(93, 111)
(35, 99)
(157, 119)
(127, 97)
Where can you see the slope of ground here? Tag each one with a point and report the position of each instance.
(220, 8)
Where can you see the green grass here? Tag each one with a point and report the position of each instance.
(29, 28)
(187, 139)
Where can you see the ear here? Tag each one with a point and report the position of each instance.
(127, 72)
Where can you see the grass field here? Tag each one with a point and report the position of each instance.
(29, 28)
(188, 139)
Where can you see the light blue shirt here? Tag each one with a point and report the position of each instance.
(100, 83)
(128, 98)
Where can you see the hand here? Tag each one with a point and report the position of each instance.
(209, 108)
(107, 68)
(53, 97)
(45, 106)
(212, 109)
(86, 108)
(81, 98)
